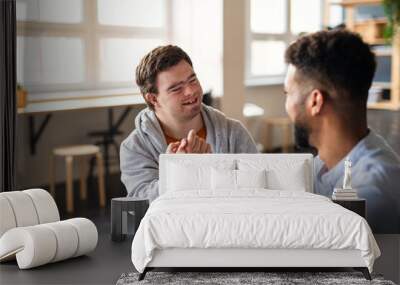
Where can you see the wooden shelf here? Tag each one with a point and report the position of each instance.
(379, 41)
(384, 105)
(382, 51)
(356, 2)
(371, 30)
(382, 85)
(372, 33)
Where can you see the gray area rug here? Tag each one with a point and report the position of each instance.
(226, 278)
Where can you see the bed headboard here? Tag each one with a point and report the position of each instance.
(285, 170)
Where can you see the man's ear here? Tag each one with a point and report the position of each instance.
(315, 102)
(152, 98)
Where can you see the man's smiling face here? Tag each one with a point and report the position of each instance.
(179, 92)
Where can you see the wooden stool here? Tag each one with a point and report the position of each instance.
(286, 125)
(80, 151)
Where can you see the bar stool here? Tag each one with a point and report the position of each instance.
(279, 122)
(81, 152)
(105, 139)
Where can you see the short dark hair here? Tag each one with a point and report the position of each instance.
(338, 62)
(157, 60)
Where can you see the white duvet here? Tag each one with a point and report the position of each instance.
(250, 219)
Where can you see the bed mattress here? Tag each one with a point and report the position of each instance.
(250, 219)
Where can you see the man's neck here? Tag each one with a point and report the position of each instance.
(179, 129)
(336, 139)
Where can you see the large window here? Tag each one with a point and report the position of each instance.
(79, 45)
(197, 28)
(272, 25)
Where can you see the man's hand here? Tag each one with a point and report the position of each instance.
(195, 144)
(191, 144)
(177, 147)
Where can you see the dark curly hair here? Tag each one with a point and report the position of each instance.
(159, 59)
(337, 62)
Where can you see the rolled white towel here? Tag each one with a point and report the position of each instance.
(33, 246)
(45, 205)
(87, 233)
(7, 218)
(26, 208)
(67, 240)
(23, 208)
(40, 244)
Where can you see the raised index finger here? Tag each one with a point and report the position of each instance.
(190, 140)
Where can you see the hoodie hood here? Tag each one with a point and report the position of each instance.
(149, 130)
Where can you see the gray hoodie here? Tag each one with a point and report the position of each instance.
(140, 150)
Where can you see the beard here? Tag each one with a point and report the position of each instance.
(302, 138)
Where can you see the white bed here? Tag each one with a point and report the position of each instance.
(247, 210)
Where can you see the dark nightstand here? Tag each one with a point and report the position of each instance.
(126, 213)
(358, 206)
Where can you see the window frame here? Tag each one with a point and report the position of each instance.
(287, 37)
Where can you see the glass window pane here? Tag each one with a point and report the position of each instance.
(383, 71)
(336, 15)
(119, 57)
(364, 13)
(267, 57)
(133, 13)
(61, 11)
(209, 71)
(198, 37)
(63, 60)
(52, 11)
(28, 60)
(311, 22)
(268, 16)
(27, 10)
(50, 60)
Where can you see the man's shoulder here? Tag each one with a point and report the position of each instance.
(147, 130)
(214, 113)
(379, 153)
(218, 116)
(379, 166)
(133, 139)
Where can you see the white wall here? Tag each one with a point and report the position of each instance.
(233, 63)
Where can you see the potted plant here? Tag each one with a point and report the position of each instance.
(392, 11)
(22, 95)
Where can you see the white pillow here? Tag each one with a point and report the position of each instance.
(281, 174)
(226, 179)
(293, 180)
(182, 177)
(185, 175)
(223, 179)
(251, 178)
